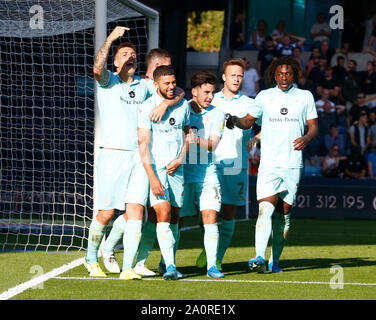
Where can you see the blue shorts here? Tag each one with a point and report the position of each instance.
(278, 181)
(201, 196)
(173, 185)
(234, 185)
(121, 179)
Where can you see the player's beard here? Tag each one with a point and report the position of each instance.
(164, 95)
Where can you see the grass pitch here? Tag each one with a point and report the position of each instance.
(322, 260)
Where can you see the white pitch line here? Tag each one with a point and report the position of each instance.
(228, 280)
(10, 293)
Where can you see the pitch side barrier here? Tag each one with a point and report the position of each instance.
(327, 198)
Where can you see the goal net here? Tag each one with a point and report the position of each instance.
(48, 117)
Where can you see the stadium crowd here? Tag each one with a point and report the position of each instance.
(345, 97)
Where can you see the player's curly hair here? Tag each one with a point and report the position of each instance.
(286, 60)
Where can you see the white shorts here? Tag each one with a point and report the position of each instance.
(121, 179)
(278, 181)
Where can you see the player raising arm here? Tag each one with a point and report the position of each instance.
(122, 180)
(284, 111)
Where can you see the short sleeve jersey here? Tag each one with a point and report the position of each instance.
(118, 104)
(199, 162)
(232, 149)
(283, 119)
(167, 136)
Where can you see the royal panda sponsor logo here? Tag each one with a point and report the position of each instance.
(284, 111)
(172, 121)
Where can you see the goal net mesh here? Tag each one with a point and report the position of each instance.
(47, 118)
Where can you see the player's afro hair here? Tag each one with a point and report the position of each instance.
(286, 60)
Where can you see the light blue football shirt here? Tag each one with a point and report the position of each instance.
(283, 119)
(118, 104)
(150, 85)
(199, 162)
(232, 149)
(167, 136)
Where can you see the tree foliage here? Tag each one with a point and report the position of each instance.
(205, 30)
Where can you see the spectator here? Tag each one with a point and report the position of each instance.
(279, 31)
(356, 109)
(334, 138)
(371, 162)
(258, 37)
(369, 26)
(339, 70)
(265, 58)
(351, 66)
(326, 51)
(317, 74)
(371, 45)
(251, 79)
(351, 88)
(328, 82)
(372, 128)
(355, 165)
(327, 113)
(359, 133)
(296, 53)
(286, 47)
(327, 116)
(368, 81)
(236, 32)
(313, 60)
(320, 30)
(254, 159)
(332, 163)
(304, 84)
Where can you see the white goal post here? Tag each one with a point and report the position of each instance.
(47, 114)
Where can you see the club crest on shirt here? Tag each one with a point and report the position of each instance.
(172, 121)
(284, 111)
(132, 94)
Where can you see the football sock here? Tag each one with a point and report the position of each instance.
(211, 243)
(96, 233)
(115, 235)
(263, 227)
(149, 235)
(226, 231)
(176, 234)
(166, 242)
(281, 227)
(131, 240)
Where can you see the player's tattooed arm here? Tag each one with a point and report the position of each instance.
(100, 72)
